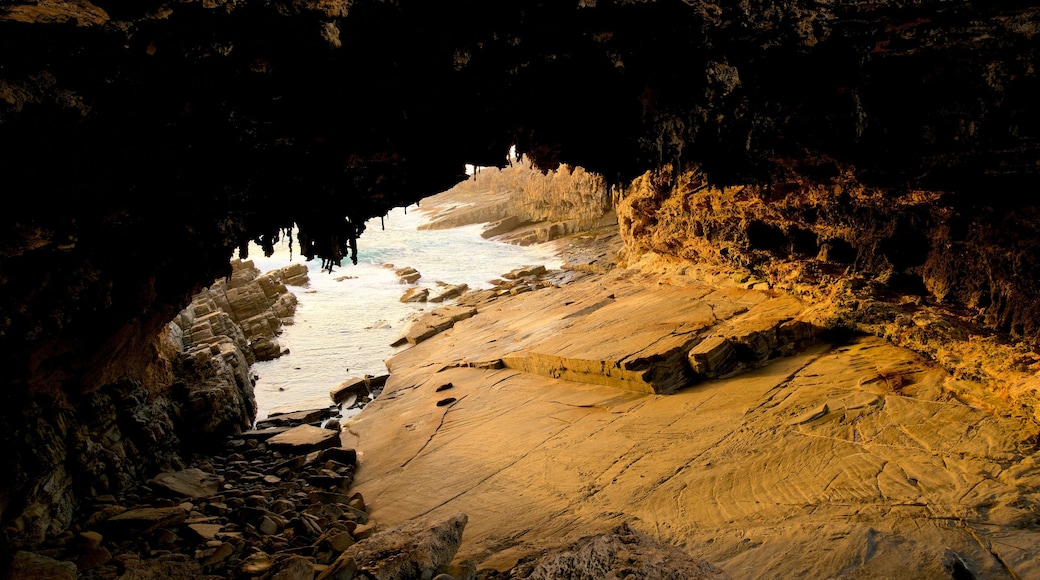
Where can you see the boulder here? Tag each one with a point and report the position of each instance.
(290, 567)
(357, 386)
(145, 519)
(407, 275)
(621, 553)
(415, 549)
(294, 418)
(217, 389)
(449, 291)
(32, 566)
(304, 439)
(432, 323)
(190, 482)
(524, 271)
(164, 567)
(416, 295)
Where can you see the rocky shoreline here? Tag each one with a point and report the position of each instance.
(628, 414)
(276, 501)
(771, 429)
(270, 503)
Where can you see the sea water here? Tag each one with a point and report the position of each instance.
(346, 319)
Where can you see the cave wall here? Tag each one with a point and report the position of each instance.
(928, 246)
(142, 144)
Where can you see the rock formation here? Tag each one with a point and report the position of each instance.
(142, 144)
(620, 553)
(199, 388)
(249, 307)
(704, 410)
(521, 206)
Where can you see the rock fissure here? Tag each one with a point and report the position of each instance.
(440, 424)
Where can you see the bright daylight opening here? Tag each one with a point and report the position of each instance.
(511, 158)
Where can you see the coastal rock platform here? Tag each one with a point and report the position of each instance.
(554, 415)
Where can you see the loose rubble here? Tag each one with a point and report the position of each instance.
(256, 509)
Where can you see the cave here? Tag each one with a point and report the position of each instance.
(145, 145)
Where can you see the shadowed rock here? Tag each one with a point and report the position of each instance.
(191, 482)
(304, 438)
(357, 386)
(621, 553)
(415, 549)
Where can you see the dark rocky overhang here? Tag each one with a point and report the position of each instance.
(143, 143)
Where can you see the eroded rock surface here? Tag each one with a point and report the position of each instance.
(414, 549)
(145, 143)
(617, 554)
(854, 458)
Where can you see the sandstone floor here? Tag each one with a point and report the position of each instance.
(539, 418)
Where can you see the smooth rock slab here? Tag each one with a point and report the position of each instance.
(433, 323)
(191, 482)
(798, 468)
(305, 438)
(206, 532)
(356, 386)
(294, 418)
(144, 520)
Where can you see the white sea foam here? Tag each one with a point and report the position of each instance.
(347, 319)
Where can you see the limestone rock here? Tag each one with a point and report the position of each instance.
(292, 275)
(712, 356)
(217, 389)
(621, 553)
(416, 295)
(524, 272)
(502, 226)
(415, 549)
(165, 567)
(191, 482)
(432, 323)
(757, 470)
(304, 438)
(145, 519)
(294, 418)
(32, 566)
(449, 291)
(249, 307)
(357, 386)
(339, 454)
(407, 275)
(206, 532)
(290, 567)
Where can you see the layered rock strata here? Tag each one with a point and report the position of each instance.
(789, 445)
(199, 387)
(521, 206)
(145, 143)
(251, 508)
(855, 458)
(250, 307)
(917, 270)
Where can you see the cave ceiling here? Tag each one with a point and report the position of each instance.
(142, 143)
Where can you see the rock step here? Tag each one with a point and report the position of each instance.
(433, 323)
(357, 386)
(304, 438)
(664, 357)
